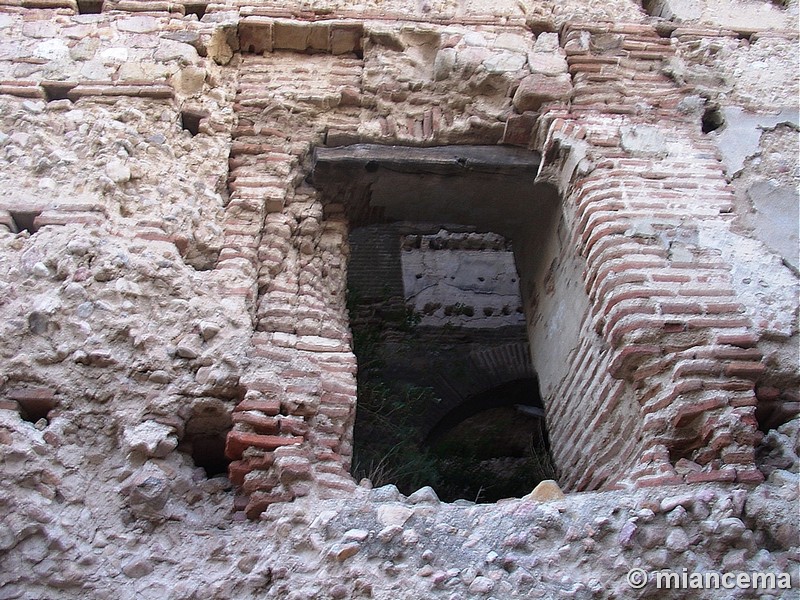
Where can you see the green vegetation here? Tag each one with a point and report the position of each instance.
(495, 454)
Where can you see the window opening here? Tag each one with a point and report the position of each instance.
(446, 395)
(439, 313)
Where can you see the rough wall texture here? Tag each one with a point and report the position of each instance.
(168, 277)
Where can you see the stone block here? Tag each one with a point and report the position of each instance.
(536, 90)
(319, 37)
(504, 62)
(547, 64)
(346, 38)
(519, 129)
(546, 491)
(255, 35)
(138, 24)
(291, 35)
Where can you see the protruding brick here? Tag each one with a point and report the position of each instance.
(268, 407)
(238, 441)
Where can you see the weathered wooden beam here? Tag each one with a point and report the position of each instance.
(330, 164)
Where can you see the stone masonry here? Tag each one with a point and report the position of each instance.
(173, 273)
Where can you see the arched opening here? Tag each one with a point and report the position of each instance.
(493, 446)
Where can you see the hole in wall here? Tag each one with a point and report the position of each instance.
(36, 410)
(56, 91)
(208, 452)
(90, 7)
(191, 119)
(712, 120)
(446, 395)
(205, 434)
(195, 9)
(657, 8)
(25, 220)
(428, 211)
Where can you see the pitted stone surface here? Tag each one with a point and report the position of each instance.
(170, 280)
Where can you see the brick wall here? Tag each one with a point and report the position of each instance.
(659, 361)
(667, 360)
(294, 425)
(374, 271)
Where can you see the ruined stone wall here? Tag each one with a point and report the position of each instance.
(169, 275)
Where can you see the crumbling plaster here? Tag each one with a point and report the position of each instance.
(177, 277)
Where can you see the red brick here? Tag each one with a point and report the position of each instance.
(700, 366)
(722, 322)
(293, 426)
(257, 481)
(334, 386)
(268, 407)
(629, 357)
(681, 308)
(266, 386)
(724, 307)
(260, 423)
(332, 398)
(9, 404)
(742, 340)
(259, 501)
(752, 475)
(743, 401)
(294, 471)
(335, 412)
(238, 441)
(748, 370)
(659, 480)
(715, 475)
(689, 410)
(237, 471)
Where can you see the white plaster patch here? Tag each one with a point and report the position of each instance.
(52, 50)
(114, 55)
(469, 282)
(762, 283)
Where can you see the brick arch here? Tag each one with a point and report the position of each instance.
(474, 373)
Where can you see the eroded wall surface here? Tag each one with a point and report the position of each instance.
(168, 274)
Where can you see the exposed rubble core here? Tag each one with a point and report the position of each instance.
(611, 185)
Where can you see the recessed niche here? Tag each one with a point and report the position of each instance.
(190, 121)
(54, 90)
(198, 9)
(34, 410)
(204, 438)
(208, 452)
(90, 7)
(712, 120)
(25, 220)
